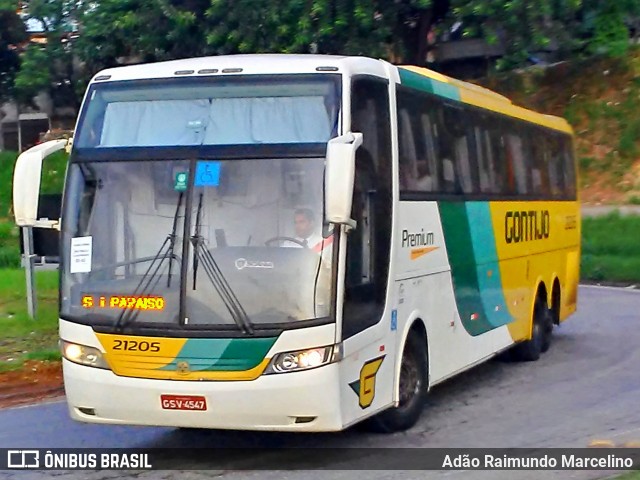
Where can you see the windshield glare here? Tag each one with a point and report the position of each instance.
(256, 248)
(228, 110)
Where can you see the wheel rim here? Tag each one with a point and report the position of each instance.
(410, 381)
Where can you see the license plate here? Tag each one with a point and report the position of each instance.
(183, 402)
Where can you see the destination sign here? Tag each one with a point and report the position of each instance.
(131, 302)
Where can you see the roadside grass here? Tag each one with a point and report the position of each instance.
(22, 338)
(635, 475)
(611, 248)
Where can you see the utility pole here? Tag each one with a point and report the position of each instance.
(19, 128)
(27, 260)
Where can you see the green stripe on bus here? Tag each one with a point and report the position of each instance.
(487, 265)
(223, 354)
(466, 288)
(420, 82)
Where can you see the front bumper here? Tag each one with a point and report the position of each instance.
(298, 401)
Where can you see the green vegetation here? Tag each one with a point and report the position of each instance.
(397, 30)
(600, 97)
(611, 249)
(53, 169)
(635, 475)
(22, 338)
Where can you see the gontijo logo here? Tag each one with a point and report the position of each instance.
(525, 226)
(421, 242)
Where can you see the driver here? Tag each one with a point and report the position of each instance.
(304, 226)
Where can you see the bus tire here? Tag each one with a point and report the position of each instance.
(530, 350)
(414, 378)
(554, 317)
(547, 329)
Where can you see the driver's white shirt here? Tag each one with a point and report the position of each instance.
(312, 241)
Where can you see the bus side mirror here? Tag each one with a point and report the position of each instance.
(339, 178)
(26, 184)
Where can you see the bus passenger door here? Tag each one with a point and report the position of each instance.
(369, 362)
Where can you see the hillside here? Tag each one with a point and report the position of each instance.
(601, 100)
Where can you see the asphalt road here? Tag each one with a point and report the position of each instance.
(585, 389)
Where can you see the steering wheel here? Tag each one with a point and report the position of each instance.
(281, 239)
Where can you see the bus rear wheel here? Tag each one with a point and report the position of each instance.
(530, 350)
(414, 378)
(547, 329)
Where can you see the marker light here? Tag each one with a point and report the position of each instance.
(83, 355)
(302, 359)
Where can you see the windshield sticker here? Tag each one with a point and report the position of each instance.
(132, 302)
(207, 174)
(181, 182)
(80, 261)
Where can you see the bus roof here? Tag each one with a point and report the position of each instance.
(411, 76)
(250, 64)
(438, 84)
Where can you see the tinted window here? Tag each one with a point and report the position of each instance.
(368, 245)
(569, 167)
(516, 154)
(418, 143)
(456, 149)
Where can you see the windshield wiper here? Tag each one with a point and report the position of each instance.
(173, 237)
(128, 314)
(166, 250)
(217, 278)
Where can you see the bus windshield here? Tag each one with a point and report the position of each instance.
(257, 253)
(228, 110)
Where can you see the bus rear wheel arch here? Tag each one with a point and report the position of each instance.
(413, 385)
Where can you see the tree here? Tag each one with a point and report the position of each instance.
(151, 30)
(413, 21)
(112, 32)
(51, 66)
(377, 28)
(574, 27)
(354, 27)
(34, 75)
(602, 26)
(12, 34)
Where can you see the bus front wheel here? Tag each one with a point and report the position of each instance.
(414, 378)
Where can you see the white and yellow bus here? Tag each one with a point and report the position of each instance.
(443, 223)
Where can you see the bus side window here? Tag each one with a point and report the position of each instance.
(462, 146)
(519, 162)
(485, 171)
(407, 152)
(429, 171)
(483, 150)
(555, 166)
(446, 146)
(539, 173)
(568, 168)
(417, 150)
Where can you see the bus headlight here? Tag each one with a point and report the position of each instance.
(302, 359)
(83, 355)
